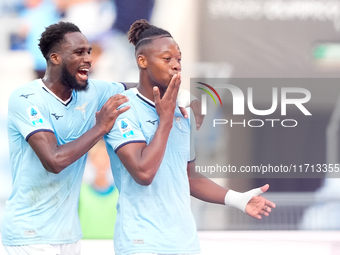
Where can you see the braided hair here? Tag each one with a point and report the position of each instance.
(142, 32)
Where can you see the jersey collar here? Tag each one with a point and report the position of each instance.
(66, 102)
(143, 98)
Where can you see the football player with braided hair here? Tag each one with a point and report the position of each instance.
(149, 149)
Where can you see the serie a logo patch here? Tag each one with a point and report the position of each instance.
(34, 115)
(125, 128)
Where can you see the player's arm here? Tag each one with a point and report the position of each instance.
(249, 202)
(56, 157)
(142, 161)
(203, 188)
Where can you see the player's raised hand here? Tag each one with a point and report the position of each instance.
(258, 205)
(165, 107)
(106, 117)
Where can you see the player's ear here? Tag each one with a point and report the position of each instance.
(141, 61)
(55, 58)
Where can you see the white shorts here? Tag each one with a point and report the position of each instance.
(44, 249)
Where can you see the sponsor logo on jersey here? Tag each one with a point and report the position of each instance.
(26, 95)
(56, 116)
(153, 122)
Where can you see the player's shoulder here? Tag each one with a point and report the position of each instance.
(104, 89)
(28, 90)
(95, 82)
(130, 93)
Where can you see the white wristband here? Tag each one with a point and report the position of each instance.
(240, 200)
(184, 98)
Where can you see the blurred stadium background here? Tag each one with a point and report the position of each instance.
(218, 38)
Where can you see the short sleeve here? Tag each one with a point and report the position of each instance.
(106, 90)
(125, 130)
(27, 113)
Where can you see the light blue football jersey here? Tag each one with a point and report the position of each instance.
(155, 218)
(43, 207)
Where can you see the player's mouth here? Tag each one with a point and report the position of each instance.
(172, 75)
(83, 73)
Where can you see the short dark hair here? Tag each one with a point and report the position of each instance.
(142, 32)
(54, 35)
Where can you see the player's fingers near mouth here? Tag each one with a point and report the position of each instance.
(171, 86)
(156, 95)
(177, 85)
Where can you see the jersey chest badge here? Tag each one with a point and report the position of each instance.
(178, 122)
(82, 109)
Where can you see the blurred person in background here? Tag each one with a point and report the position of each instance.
(113, 41)
(100, 14)
(37, 15)
(98, 199)
(106, 25)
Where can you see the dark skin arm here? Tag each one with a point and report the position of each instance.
(204, 189)
(56, 157)
(195, 106)
(142, 161)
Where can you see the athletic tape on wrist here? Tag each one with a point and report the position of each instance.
(240, 200)
(184, 98)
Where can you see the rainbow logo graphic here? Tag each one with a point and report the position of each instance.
(209, 93)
